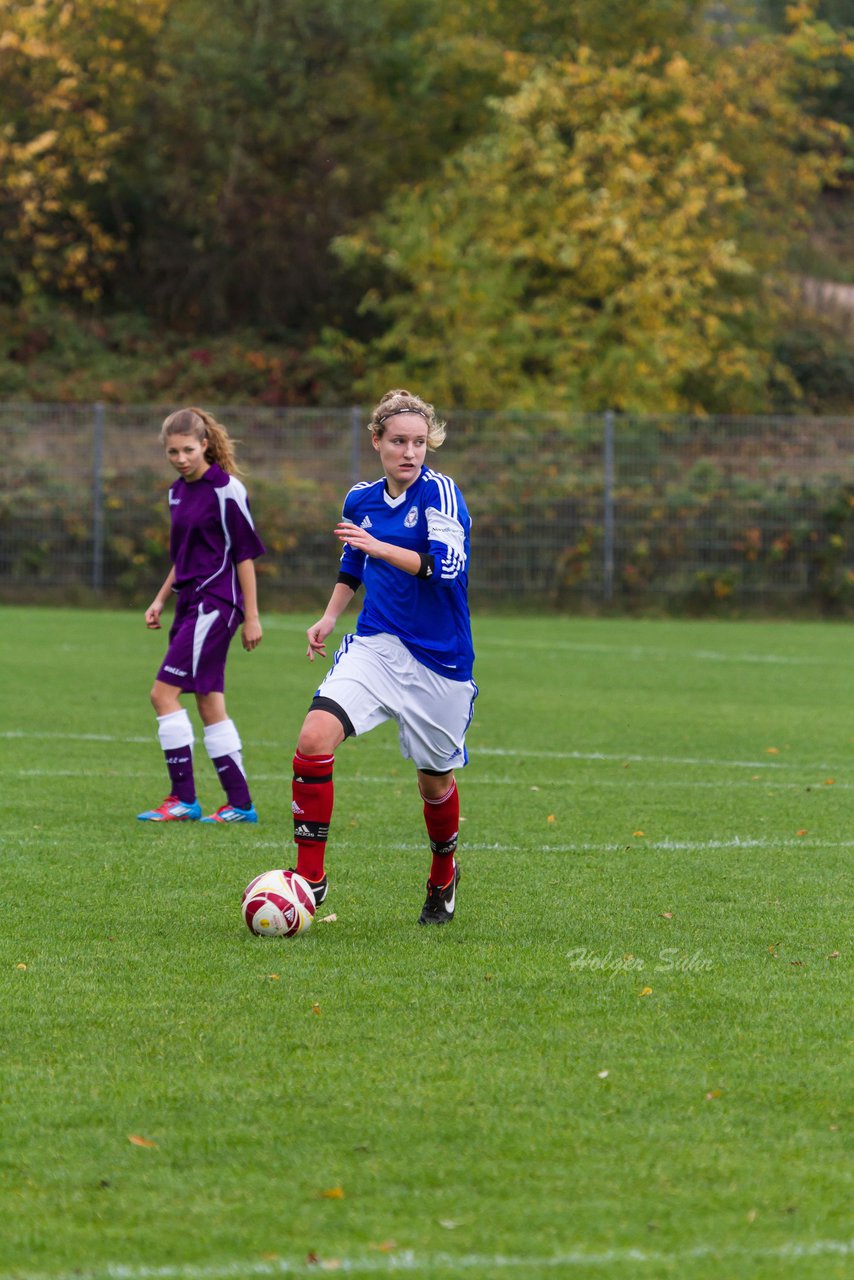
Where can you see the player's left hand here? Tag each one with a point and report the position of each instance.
(356, 537)
(252, 634)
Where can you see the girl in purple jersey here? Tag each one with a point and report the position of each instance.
(213, 546)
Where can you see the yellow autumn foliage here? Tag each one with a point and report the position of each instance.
(609, 241)
(66, 96)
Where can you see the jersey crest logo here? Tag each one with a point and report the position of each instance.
(366, 523)
(411, 518)
(174, 502)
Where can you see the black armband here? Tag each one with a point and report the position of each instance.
(427, 566)
(349, 580)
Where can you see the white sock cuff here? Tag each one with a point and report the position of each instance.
(222, 739)
(175, 730)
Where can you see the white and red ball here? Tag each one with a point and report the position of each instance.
(278, 904)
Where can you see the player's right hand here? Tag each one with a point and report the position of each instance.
(317, 639)
(152, 617)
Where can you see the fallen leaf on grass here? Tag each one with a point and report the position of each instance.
(834, 955)
(638, 833)
(328, 919)
(448, 1224)
(20, 966)
(333, 1193)
(273, 977)
(550, 819)
(385, 1246)
(647, 991)
(139, 1141)
(802, 831)
(830, 782)
(603, 1075)
(667, 915)
(315, 1008)
(712, 1094)
(772, 751)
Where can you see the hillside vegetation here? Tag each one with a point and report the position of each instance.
(587, 206)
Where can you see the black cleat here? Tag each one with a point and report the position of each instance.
(319, 888)
(439, 907)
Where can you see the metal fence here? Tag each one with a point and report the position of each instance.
(605, 509)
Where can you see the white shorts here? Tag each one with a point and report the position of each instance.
(376, 678)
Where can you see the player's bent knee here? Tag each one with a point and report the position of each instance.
(165, 698)
(324, 728)
(433, 785)
(163, 703)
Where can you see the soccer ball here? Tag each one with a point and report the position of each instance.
(278, 904)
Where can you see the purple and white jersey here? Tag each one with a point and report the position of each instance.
(212, 531)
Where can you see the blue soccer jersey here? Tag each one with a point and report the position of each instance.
(429, 615)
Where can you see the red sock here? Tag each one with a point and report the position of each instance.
(312, 806)
(442, 818)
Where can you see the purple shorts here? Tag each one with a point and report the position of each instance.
(198, 644)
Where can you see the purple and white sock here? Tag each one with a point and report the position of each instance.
(175, 732)
(223, 745)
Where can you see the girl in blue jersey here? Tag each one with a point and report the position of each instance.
(213, 547)
(405, 539)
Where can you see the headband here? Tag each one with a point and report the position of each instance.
(392, 413)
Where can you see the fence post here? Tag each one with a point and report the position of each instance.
(355, 447)
(608, 505)
(98, 498)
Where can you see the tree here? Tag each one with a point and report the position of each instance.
(70, 72)
(608, 242)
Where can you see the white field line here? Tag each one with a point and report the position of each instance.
(508, 752)
(644, 652)
(624, 783)
(452, 1264)
(21, 735)
(630, 844)
(637, 759)
(638, 651)
(639, 844)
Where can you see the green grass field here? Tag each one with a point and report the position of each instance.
(630, 1055)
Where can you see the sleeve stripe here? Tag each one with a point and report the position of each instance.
(452, 565)
(453, 561)
(447, 494)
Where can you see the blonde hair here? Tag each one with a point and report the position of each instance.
(402, 401)
(203, 426)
